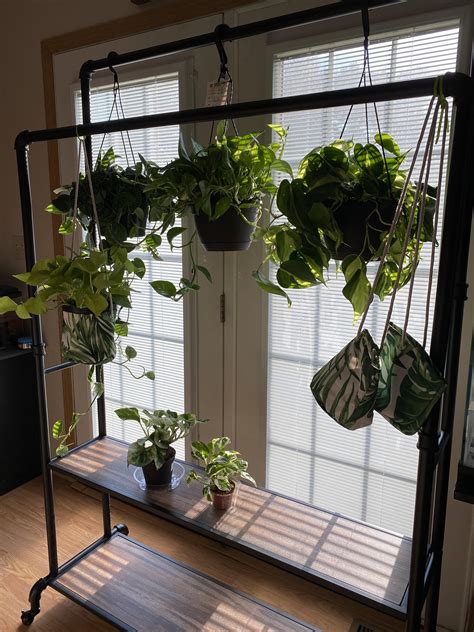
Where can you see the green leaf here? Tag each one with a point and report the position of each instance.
(173, 233)
(282, 166)
(268, 286)
(130, 352)
(35, 305)
(62, 450)
(7, 305)
(357, 288)
(140, 455)
(164, 288)
(284, 245)
(150, 375)
(97, 390)
(140, 268)
(57, 429)
(278, 129)
(96, 303)
(128, 413)
(66, 227)
(205, 271)
(121, 328)
(22, 312)
(386, 141)
(300, 271)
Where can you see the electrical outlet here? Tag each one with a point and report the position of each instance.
(18, 248)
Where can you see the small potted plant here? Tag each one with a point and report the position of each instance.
(222, 468)
(341, 206)
(123, 205)
(154, 452)
(223, 185)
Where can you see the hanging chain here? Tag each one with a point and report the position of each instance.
(224, 76)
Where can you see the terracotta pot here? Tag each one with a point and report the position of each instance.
(222, 500)
(353, 219)
(228, 233)
(154, 477)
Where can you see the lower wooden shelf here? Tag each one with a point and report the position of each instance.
(138, 590)
(363, 562)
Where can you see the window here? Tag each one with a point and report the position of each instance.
(309, 456)
(156, 324)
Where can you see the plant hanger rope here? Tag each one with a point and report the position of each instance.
(117, 100)
(363, 79)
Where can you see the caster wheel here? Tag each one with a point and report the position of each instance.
(122, 528)
(27, 617)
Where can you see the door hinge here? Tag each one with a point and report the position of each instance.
(222, 308)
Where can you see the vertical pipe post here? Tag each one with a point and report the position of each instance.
(38, 352)
(445, 354)
(459, 204)
(85, 77)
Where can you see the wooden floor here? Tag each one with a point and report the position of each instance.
(23, 559)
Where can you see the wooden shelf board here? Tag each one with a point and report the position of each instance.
(358, 560)
(138, 590)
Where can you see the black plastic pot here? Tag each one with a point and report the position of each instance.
(361, 226)
(154, 477)
(228, 233)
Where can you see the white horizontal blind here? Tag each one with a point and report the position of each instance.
(156, 323)
(369, 474)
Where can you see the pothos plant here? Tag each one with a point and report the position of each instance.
(222, 467)
(340, 206)
(234, 172)
(97, 285)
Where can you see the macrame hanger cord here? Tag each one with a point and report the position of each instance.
(426, 157)
(445, 120)
(397, 215)
(76, 196)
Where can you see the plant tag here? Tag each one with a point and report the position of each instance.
(218, 93)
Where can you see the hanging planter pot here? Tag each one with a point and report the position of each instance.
(362, 225)
(87, 338)
(230, 232)
(162, 476)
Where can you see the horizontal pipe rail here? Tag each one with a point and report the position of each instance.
(59, 367)
(224, 33)
(455, 85)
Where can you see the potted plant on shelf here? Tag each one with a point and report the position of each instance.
(222, 468)
(340, 206)
(123, 205)
(223, 185)
(154, 452)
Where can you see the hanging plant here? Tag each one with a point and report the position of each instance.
(340, 206)
(123, 205)
(223, 185)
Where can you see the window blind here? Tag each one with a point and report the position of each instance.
(369, 474)
(156, 324)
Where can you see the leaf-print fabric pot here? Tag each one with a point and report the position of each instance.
(87, 338)
(409, 385)
(346, 387)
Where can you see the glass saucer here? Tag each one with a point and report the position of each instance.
(176, 477)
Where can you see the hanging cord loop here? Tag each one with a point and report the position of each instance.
(363, 80)
(117, 106)
(224, 73)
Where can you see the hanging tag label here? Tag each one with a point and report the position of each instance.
(218, 93)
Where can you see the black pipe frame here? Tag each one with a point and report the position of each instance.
(435, 448)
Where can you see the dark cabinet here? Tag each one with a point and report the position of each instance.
(20, 456)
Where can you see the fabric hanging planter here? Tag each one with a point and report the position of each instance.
(346, 387)
(401, 383)
(409, 384)
(87, 338)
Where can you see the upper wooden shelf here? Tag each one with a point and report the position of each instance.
(358, 560)
(138, 590)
